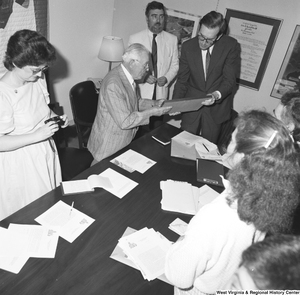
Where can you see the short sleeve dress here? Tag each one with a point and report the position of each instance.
(29, 172)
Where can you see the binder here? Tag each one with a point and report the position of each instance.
(209, 172)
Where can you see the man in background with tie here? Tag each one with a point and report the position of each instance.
(209, 65)
(120, 109)
(164, 54)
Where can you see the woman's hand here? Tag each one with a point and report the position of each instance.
(46, 131)
(64, 117)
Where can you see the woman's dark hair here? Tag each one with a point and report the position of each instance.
(26, 47)
(266, 187)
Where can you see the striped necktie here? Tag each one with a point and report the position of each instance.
(154, 55)
(207, 61)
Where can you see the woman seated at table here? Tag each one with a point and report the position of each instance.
(261, 197)
(29, 164)
(272, 264)
(252, 132)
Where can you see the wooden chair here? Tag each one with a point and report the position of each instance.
(84, 101)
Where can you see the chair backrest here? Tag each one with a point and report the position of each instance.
(84, 101)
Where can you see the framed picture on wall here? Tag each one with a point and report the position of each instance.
(289, 74)
(256, 35)
(182, 24)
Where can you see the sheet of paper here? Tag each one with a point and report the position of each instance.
(42, 242)
(206, 195)
(178, 226)
(12, 244)
(122, 185)
(178, 196)
(134, 160)
(12, 257)
(67, 221)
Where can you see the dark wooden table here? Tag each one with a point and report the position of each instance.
(84, 267)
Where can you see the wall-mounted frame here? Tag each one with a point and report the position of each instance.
(257, 35)
(182, 24)
(289, 73)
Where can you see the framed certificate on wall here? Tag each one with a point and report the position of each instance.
(256, 35)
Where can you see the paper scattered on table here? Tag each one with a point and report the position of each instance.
(178, 226)
(41, 242)
(66, 220)
(133, 161)
(146, 249)
(121, 185)
(21, 241)
(182, 197)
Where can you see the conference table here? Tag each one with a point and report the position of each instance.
(84, 267)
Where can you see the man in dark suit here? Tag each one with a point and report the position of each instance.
(222, 54)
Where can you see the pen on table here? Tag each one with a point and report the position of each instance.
(71, 209)
(205, 147)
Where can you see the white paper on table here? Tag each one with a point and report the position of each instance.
(42, 242)
(178, 226)
(122, 185)
(147, 249)
(206, 195)
(134, 160)
(69, 222)
(120, 256)
(178, 196)
(11, 261)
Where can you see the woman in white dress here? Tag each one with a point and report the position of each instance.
(29, 164)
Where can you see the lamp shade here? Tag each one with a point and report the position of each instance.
(111, 49)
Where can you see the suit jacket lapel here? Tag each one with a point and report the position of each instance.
(216, 53)
(197, 57)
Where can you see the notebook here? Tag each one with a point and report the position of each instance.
(209, 172)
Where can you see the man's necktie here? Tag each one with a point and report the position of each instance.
(207, 61)
(154, 55)
(135, 88)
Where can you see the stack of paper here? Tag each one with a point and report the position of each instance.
(20, 242)
(184, 198)
(147, 250)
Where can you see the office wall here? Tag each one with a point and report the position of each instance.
(76, 28)
(129, 18)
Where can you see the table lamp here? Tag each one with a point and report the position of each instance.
(111, 49)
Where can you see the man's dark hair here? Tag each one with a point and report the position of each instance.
(154, 5)
(213, 20)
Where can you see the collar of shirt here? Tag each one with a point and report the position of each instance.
(204, 51)
(150, 34)
(127, 74)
